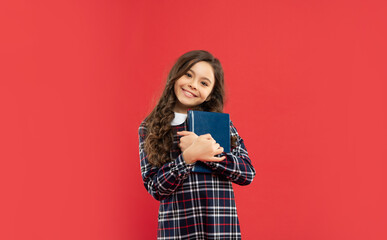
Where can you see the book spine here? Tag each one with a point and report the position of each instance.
(190, 121)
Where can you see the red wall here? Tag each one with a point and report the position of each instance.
(306, 85)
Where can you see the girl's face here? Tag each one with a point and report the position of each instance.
(194, 87)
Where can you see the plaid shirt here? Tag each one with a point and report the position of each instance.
(196, 205)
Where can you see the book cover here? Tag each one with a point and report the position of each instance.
(216, 124)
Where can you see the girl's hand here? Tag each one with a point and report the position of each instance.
(187, 139)
(204, 148)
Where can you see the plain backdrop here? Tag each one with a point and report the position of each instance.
(306, 89)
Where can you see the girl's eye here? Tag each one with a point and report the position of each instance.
(205, 84)
(188, 75)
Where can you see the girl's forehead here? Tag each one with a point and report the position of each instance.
(203, 68)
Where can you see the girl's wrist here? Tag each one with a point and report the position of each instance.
(188, 157)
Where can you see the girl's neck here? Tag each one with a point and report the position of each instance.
(180, 109)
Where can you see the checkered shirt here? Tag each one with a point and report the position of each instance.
(196, 205)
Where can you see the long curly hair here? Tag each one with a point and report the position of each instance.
(159, 137)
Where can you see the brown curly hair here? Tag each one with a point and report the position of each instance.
(158, 141)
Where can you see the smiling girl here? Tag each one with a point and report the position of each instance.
(192, 205)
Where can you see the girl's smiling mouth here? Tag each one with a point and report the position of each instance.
(188, 93)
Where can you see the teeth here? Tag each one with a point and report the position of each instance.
(188, 93)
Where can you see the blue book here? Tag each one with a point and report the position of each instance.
(216, 124)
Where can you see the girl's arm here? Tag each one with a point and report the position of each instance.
(161, 182)
(237, 166)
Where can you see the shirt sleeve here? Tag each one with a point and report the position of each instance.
(162, 181)
(237, 166)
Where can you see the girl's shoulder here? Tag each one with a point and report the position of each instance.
(233, 130)
(142, 128)
(232, 126)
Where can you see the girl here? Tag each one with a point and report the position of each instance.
(192, 205)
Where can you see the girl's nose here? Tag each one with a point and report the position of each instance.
(193, 84)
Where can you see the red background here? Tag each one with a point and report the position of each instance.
(306, 88)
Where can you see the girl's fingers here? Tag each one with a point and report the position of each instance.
(219, 151)
(217, 159)
(184, 133)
